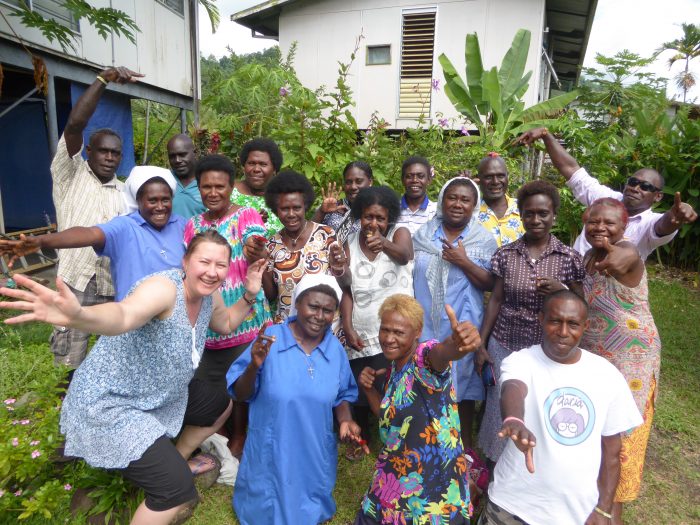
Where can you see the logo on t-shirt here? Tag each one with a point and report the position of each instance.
(569, 416)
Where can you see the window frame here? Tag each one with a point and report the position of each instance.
(377, 46)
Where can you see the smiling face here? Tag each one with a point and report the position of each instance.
(291, 211)
(206, 268)
(374, 218)
(458, 204)
(104, 153)
(493, 179)
(397, 337)
(315, 312)
(353, 181)
(155, 204)
(604, 222)
(258, 170)
(563, 322)
(538, 216)
(215, 188)
(181, 157)
(415, 180)
(637, 200)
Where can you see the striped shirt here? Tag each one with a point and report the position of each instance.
(81, 199)
(415, 219)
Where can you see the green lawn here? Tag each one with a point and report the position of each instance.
(672, 476)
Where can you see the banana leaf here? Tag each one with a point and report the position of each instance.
(513, 65)
(474, 70)
(547, 108)
(457, 92)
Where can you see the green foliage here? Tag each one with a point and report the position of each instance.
(622, 124)
(491, 99)
(106, 20)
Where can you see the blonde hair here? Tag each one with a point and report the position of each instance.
(407, 307)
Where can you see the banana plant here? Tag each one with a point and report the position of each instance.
(491, 99)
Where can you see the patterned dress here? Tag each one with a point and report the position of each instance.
(132, 388)
(420, 474)
(257, 202)
(623, 331)
(289, 266)
(236, 227)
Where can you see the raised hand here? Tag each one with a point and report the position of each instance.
(368, 376)
(59, 307)
(329, 204)
(337, 259)
(120, 75)
(253, 277)
(20, 248)
(255, 248)
(681, 212)
(374, 241)
(618, 260)
(531, 136)
(464, 336)
(522, 438)
(261, 348)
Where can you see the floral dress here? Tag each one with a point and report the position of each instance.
(289, 266)
(272, 224)
(420, 474)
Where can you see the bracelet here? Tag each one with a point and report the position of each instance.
(338, 274)
(603, 513)
(101, 79)
(513, 418)
(250, 302)
(565, 287)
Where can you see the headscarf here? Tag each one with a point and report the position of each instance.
(311, 280)
(478, 243)
(138, 176)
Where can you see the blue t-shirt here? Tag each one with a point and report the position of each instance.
(187, 201)
(136, 249)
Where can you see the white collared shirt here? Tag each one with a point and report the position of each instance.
(640, 228)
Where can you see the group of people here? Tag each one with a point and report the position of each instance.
(223, 308)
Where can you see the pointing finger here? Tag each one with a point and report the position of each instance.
(379, 372)
(677, 201)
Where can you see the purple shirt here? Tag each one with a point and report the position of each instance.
(517, 325)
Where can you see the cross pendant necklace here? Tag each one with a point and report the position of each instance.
(309, 364)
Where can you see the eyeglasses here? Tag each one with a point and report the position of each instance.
(646, 186)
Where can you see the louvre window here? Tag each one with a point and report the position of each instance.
(175, 5)
(378, 55)
(50, 9)
(417, 45)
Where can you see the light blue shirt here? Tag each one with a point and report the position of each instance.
(289, 461)
(466, 300)
(187, 201)
(136, 249)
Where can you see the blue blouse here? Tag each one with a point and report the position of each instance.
(289, 461)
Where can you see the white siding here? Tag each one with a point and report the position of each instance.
(325, 31)
(162, 50)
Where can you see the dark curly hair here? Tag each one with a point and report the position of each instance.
(269, 146)
(288, 181)
(415, 159)
(381, 195)
(360, 165)
(215, 162)
(538, 187)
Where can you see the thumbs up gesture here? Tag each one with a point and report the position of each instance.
(368, 376)
(681, 212)
(465, 336)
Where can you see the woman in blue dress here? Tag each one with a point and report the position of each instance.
(296, 377)
(134, 393)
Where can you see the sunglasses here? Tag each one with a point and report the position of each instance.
(646, 186)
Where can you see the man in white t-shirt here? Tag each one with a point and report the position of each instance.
(573, 405)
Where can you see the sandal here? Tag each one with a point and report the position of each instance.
(354, 453)
(205, 470)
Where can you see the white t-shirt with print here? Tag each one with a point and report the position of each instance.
(568, 408)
